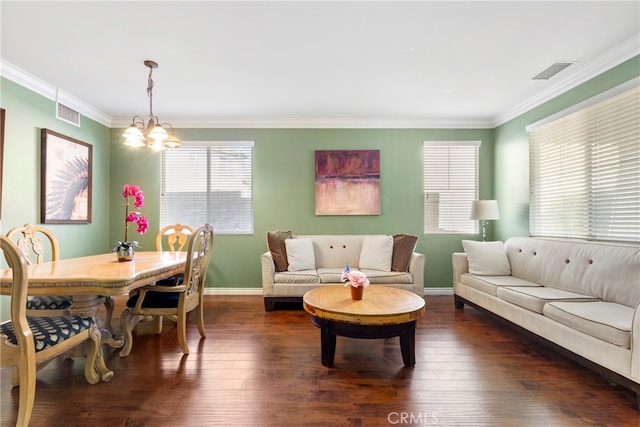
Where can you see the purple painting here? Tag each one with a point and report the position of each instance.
(348, 182)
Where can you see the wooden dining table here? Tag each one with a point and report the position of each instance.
(88, 278)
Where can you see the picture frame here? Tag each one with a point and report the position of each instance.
(66, 179)
(347, 182)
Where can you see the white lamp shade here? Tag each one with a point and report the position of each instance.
(484, 210)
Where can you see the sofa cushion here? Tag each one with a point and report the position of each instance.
(487, 258)
(403, 247)
(606, 270)
(377, 277)
(275, 243)
(490, 284)
(534, 298)
(376, 253)
(300, 254)
(608, 321)
(297, 277)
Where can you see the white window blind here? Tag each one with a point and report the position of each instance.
(585, 172)
(208, 183)
(450, 185)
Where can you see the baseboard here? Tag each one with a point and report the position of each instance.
(258, 291)
(438, 291)
(233, 291)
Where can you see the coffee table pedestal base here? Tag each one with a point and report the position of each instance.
(330, 329)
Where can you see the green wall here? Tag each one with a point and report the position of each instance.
(512, 148)
(26, 114)
(283, 190)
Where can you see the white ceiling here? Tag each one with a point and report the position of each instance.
(314, 63)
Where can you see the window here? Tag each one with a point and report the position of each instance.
(450, 185)
(585, 170)
(208, 182)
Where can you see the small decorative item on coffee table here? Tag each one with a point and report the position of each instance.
(385, 312)
(356, 280)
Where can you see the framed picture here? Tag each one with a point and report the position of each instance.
(348, 182)
(65, 179)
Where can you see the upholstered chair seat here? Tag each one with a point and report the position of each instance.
(49, 302)
(49, 331)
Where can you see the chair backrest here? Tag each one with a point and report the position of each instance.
(198, 255)
(18, 264)
(177, 236)
(30, 242)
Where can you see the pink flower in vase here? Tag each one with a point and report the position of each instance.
(132, 191)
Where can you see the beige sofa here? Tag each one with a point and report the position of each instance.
(583, 297)
(329, 255)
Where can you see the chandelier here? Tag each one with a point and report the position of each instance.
(153, 133)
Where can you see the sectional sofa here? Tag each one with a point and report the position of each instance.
(582, 297)
(295, 264)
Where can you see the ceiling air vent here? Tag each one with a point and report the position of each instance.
(67, 114)
(551, 71)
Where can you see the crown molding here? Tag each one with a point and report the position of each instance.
(587, 71)
(47, 90)
(315, 123)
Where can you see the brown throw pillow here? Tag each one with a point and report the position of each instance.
(275, 242)
(403, 247)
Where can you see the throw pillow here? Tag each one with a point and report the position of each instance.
(403, 247)
(300, 254)
(376, 253)
(275, 243)
(487, 258)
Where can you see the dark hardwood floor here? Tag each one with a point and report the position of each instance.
(263, 369)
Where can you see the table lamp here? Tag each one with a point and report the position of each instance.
(484, 210)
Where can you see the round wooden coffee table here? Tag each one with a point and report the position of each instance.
(383, 312)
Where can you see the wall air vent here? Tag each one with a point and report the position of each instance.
(551, 71)
(67, 114)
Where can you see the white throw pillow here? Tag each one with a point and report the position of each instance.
(300, 254)
(487, 258)
(376, 253)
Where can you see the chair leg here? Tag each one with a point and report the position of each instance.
(15, 376)
(109, 305)
(27, 374)
(128, 321)
(182, 332)
(200, 313)
(157, 325)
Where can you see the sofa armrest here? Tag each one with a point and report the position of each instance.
(460, 266)
(635, 345)
(268, 273)
(416, 268)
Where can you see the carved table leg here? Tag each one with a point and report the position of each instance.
(127, 322)
(96, 370)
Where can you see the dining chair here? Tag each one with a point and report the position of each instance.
(28, 343)
(30, 240)
(177, 300)
(173, 238)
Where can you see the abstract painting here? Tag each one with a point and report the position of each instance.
(347, 182)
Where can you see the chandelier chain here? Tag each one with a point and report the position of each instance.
(150, 91)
